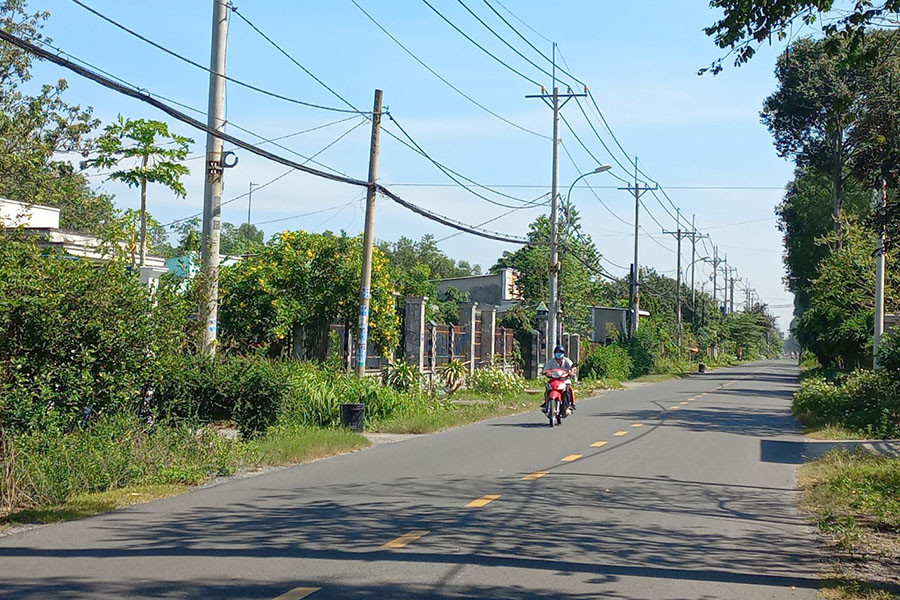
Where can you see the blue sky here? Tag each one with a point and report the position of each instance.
(640, 59)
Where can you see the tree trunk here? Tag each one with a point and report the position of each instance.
(143, 251)
(837, 182)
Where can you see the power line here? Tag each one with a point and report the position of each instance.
(205, 68)
(444, 80)
(308, 214)
(597, 196)
(147, 98)
(533, 30)
(491, 220)
(294, 60)
(285, 174)
(479, 46)
(503, 40)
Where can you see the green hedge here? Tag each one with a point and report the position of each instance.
(867, 402)
(607, 362)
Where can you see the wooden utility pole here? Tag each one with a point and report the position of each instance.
(212, 190)
(368, 238)
(879, 279)
(678, 234)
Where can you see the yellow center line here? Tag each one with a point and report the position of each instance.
(571, 457)
(620, 433)
(598, 444)
(673, 407)
(533, 476)
(683, 403)
(406, 538)
(298, 593)
(483, 501)
(637, 424)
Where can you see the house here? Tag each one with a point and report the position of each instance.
(500, 289)
(43, 223)
(604, 318)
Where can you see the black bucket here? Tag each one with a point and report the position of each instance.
(353, 416)
(701, 368)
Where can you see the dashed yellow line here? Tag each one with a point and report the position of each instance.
(533, 476)
(599, 444)
(483, 501)
(571, 457)
(673, 407)
(637, 424)
(298, 593)
(620, 433)
(406, 538)
(683, 403)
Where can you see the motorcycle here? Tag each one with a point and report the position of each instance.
(556, 406)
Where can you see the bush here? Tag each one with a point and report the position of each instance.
(608, 362)
(76, 337)
(47, 467)
(641, 349)
(867, 402)
(496, 382)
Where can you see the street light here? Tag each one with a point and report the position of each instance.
(554, 260)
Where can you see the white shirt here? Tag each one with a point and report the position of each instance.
(564, 363)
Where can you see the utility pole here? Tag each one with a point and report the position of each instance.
(678, 234)
(249, 203)
(635, 300)
(879, 280)
(368, 238)
(553, 101)
(715, 277)
(212, 189)
(732, 272)
(695, 235)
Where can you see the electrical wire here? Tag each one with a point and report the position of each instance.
(597, 196)
(507, 44)
(207, 69)
(588, 150)
(491, 220)
(444, 80)
(285, 174)
(308, 214)
(147, 98)
(479, 46)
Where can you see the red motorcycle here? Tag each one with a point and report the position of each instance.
(555, 400)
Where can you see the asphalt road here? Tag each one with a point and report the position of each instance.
(679, 490)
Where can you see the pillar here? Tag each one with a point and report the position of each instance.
(488, 328)
(467, 322)
(414, 331)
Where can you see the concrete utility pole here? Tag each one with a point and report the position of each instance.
(879, 280)
(678, 234)
(635, 300)
(212, 189)
(553, 101)
(732, 271)
(368, 237)
(715, 277)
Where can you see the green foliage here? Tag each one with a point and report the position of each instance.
(453, 374)
(49, 466)
(402, 376)
(612, 361)
(416, 267)
(496, 382)
(837, 327)
(75, 336)
(243, 239)
(302, 279)
(580, 285)
(866, 402)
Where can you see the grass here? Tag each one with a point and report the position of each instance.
(855, 501)
(455, 415)
(86, 505)
(283, 446)
(832, 432)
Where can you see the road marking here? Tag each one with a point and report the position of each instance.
(483, 501)
(406, 538)
(620, 433)
(637, 424)
(598, 444)
(571, 457)
(533, 476)
(298, 593)
(673, 407)
(683, 403)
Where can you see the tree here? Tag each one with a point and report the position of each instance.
(804, 216)
(155, 163)
(580, 284)
(301, 280)
(244, 239)
(746, 24)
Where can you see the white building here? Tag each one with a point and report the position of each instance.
(43, 222)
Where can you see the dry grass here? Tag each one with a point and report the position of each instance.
(855, 501)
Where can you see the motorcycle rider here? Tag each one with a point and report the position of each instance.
(561, 361)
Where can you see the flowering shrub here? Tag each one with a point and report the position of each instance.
(496, 382)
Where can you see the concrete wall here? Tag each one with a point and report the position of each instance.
(15, 214)
(498, 290)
